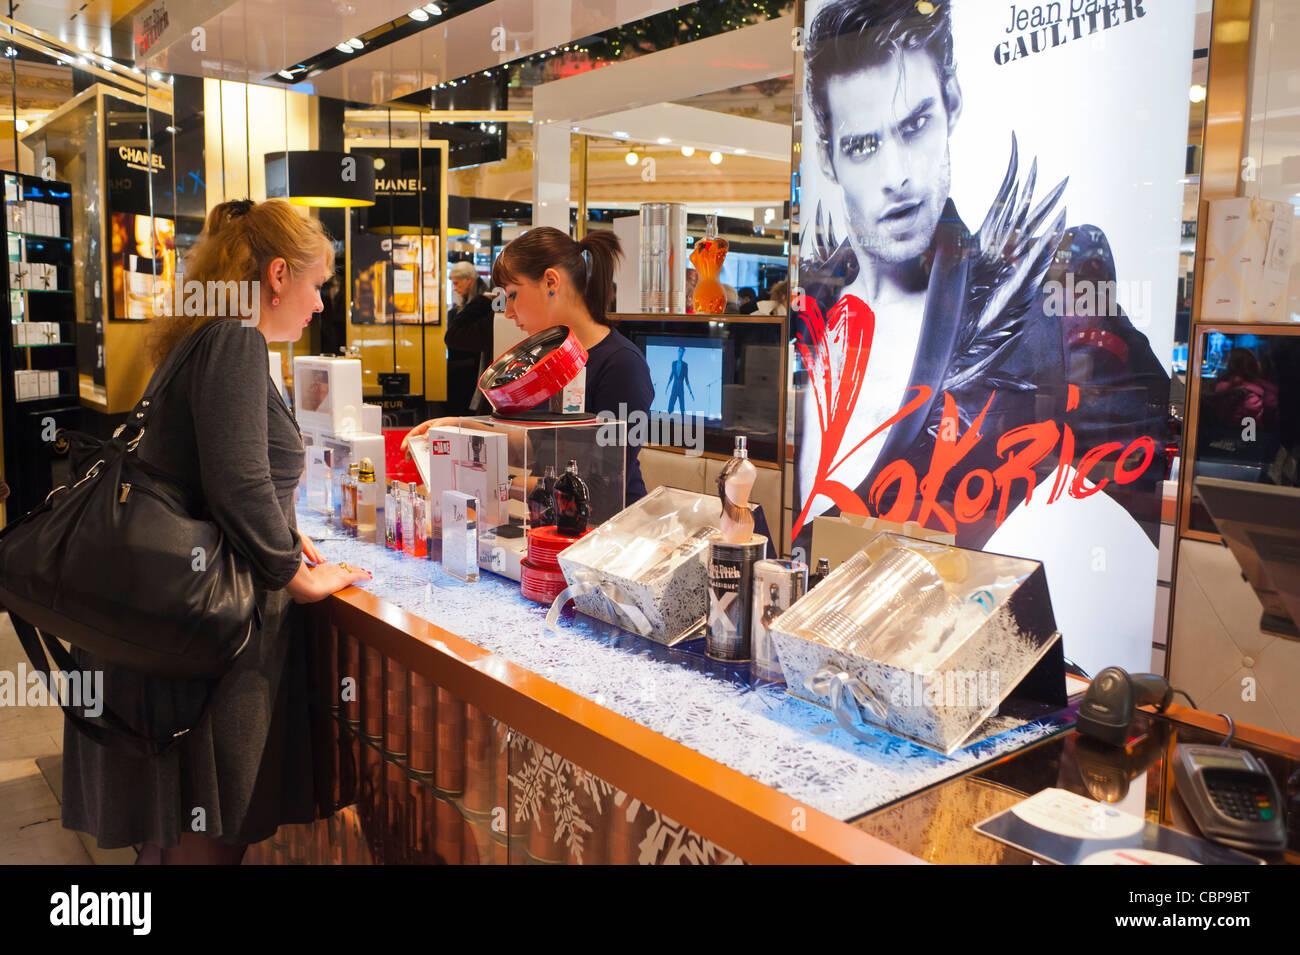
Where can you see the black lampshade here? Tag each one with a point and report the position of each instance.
(321, 178)
(458, 215)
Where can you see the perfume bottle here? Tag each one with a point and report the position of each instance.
(348, 510)
(707, 255)
(541, 503)
(408, 519)
(572, 503)
(367, 500)
(391, 517)
(420, 514)
(734, 484)
(820, 574)
(399, 508)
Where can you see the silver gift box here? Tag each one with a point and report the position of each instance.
(646, 568)
(924, 640)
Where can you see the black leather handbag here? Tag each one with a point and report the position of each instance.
(119, 565)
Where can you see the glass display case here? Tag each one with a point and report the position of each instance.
(502, 463)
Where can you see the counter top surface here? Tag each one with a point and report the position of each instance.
(758, 730)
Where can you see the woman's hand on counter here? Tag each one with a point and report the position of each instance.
(311, 584)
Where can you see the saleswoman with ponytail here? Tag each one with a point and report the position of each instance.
(549, 279)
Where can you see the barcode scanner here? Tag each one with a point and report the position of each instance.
(1112, 700)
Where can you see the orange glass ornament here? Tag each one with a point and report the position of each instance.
(707, 257)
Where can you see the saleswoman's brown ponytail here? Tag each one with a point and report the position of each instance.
(589, 264)
(603, 251)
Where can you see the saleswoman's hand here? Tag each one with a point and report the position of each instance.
(421, 428)
(311, 584)
(309, 550)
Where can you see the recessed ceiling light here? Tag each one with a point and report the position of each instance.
(663, 140)
(631, 159)
(420, 14)
(434, 9)
(356, 44)
(715, 157)
(285, 74)
(619, 134)
(343, 48)
(173, 130)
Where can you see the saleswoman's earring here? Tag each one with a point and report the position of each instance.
(550, 293)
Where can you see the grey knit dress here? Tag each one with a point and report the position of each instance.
(222, 429)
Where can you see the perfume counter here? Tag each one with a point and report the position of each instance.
(747, 772)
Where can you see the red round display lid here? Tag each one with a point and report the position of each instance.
(533, 371)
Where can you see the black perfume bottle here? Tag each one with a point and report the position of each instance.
(572, 503)
(541, 503)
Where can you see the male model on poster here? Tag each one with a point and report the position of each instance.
(948, 376)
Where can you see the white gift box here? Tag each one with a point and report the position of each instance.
(327, 393)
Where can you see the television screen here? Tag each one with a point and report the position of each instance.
(687, 375)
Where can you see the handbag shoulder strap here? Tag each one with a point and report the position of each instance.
(162, 377)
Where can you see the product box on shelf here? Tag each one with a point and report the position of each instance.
(327, 393)
(515, 457)
(646, 569)
(924, 640)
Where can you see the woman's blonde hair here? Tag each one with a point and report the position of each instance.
(239, 241)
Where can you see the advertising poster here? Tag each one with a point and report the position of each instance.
(990, 200)
(142, 251)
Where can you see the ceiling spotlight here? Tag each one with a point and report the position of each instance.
(379, 162)
(434, 9)
(631, 159)
(740, 151)
(285, 74)
(620, 134)
(420, 14)
(1197, 93)
(688, 151)
(492, 128)
(21, 125)
(343, 48)
(663, 140)
(356, 44)
(715, 157)
(10, 52)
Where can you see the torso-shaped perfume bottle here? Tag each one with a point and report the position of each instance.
(541, 502)
(734, 485)
(707, 256)
(572, 503)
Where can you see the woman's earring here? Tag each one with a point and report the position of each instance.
(275, 301)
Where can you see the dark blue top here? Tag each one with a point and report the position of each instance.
(618, 381)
